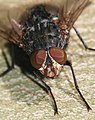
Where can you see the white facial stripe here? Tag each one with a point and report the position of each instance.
(56, 65)
(54, 62)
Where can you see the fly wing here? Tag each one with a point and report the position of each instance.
(66, 10)
(6, 14)
(70, 11)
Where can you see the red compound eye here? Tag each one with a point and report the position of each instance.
(38, 58)
(58, 55)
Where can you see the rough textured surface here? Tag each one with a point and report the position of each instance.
(21, 99)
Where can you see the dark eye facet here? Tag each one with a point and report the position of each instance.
(37, 58)
(58, 55)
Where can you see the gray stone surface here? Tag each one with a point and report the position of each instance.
(21, 99)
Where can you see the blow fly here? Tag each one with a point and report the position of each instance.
(43, 34)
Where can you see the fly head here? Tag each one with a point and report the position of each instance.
(49, 62)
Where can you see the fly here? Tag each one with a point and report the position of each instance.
(43, 35)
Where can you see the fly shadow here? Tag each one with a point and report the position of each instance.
(24, 87)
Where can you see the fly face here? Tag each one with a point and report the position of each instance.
(49, 62)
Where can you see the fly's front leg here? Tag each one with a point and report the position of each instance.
(9, 67)
(47, 89)
(68, 63)
(81, 39)
(49, 92)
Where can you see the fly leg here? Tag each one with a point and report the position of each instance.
(9, 67)
(68, 63)
(81, 39)
(47, 89)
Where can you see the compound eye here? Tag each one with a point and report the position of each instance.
(37, 58)
(58, 54)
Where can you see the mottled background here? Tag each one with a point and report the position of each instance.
(21, 99)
